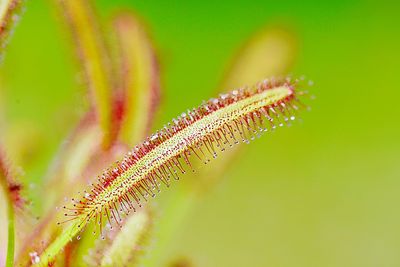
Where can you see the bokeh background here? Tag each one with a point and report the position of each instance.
(324, 192)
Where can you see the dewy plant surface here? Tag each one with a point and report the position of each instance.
(202, 133)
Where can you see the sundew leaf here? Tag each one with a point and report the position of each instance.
(233, 117)
(94, 58)
(139, 77)
(202, 133)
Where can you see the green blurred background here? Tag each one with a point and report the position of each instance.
(324, 192)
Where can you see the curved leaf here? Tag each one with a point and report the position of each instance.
(93, 54)
(139, 78)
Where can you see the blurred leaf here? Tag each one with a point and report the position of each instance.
(122, 247)
(73, 159)
(8, 17)
(139, 78)
(93, 54)
(268, 53)
(181, 262)
(12, 199)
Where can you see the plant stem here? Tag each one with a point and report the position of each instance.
(11, 235)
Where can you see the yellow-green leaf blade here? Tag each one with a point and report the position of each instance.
(94, 58)
(139, 77)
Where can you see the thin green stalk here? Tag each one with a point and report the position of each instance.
(11, 235)
(10, 212)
